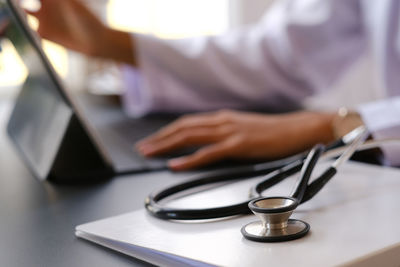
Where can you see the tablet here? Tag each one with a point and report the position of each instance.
(45, 125)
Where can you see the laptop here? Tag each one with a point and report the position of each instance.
(63, 138)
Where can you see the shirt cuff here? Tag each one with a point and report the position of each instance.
(136, 101)
(382, 119)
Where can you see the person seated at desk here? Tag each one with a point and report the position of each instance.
(298, 49)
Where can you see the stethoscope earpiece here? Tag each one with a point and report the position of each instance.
(274, 224)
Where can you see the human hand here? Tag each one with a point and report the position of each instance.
(238, 135)
(71, 24)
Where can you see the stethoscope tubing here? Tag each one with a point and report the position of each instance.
(246, 172)
(275, 172)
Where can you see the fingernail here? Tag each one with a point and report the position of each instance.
(146, 149)
(140, 143)
(176, 163)
(138, 146)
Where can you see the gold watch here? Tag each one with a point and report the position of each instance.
(345, 121)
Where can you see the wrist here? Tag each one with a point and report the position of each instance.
(305, 129)
(324, 127)
(116, 45)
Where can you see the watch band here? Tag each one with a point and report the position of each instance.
(345, 121)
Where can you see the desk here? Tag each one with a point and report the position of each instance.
(38, 219)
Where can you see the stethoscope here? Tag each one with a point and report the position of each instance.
(274, 212)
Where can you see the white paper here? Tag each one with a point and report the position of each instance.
(354, 220)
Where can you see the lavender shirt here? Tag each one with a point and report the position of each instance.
(300, 48)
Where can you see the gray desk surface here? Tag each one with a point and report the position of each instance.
(38, 219)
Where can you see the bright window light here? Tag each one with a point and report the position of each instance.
(12, 70)
(58, 57)
(169, 19)
(57, 54)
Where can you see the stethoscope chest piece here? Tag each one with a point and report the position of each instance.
(275, 225)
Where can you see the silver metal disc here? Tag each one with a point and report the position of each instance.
(295, 229)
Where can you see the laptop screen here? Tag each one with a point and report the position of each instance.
(41, 113)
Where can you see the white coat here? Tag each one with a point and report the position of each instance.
(299, 48)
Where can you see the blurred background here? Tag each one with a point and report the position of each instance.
(167, 19)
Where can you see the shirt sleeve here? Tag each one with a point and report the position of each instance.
(382, 118)
(297, 49)
(136, 101)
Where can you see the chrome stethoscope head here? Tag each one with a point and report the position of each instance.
(274, 212)
(274, 224)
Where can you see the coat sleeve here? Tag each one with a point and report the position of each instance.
(382, 119)
(296, 50)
